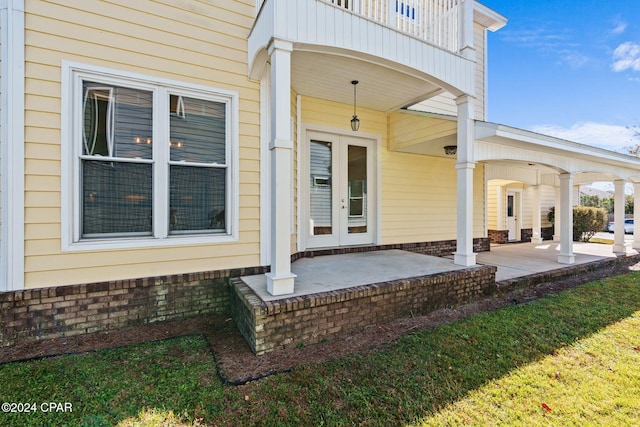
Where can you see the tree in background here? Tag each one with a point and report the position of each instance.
(605, 203)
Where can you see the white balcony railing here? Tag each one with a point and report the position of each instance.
(434, 21)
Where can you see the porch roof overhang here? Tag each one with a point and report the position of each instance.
(496, 142)
(509, 147)
(333, 46)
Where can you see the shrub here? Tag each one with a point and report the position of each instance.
(587, 221)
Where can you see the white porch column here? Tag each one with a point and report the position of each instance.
(280, 280)
(464, 254)
(618, 216)
(536, 214)
(557, 214)
(566, 255)
(636, 215)
(576, 195)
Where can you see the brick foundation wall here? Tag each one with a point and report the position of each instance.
(440, 248)
(498, 236)
(601, 266)
(526, 234)
(32, 315)
(311, 318)
(36, 314)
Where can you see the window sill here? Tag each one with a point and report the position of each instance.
(147, 242)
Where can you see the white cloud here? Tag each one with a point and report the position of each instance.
(540, 38)
(610, 137)
(557, 42)
(626, 56)
(619, 27)
(574, 59)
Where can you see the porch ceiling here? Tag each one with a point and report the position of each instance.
(329, 76)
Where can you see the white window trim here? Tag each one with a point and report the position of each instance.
(12, 156)
(72, 76)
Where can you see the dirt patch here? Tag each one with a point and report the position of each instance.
(236, 362)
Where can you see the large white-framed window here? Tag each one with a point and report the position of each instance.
(146, 161)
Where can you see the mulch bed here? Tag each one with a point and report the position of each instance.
(238, 365)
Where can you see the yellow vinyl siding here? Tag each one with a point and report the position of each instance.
(294, 154)
(193, 42)
(337, 116)
(419, 199)
(444, 103)
(547, 201)
(407, 129)
(418, 193)
(492, 205)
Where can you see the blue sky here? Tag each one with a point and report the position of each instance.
(567, 68)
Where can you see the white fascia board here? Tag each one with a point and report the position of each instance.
(487, 131)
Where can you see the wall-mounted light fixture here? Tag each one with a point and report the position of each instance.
(355, 121)
(450, 150)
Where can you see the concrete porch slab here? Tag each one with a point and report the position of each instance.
(522, 259)
(334, 272)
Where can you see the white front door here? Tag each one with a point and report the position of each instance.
(341, 190)
(512, 215)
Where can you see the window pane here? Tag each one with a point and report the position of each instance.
(118, 121)
(117, 198)
(197, 199)
(198, 130)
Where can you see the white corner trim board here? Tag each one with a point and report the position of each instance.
(12, 145)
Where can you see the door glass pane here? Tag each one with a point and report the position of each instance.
(357, 186)
(509, 206)
(321, 186)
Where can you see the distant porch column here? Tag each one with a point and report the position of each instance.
(536, 214)
(636, 215)
(557, 214)
(280, 280)
(464, 254)
(566, 255)
(618, 216)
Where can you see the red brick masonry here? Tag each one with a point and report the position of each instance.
(31, 315)
(312, 318)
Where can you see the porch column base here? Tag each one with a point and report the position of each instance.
(280, 285)
(619, 249)
(465, 260)
(556, 237)
(536, 240)
(567, 259)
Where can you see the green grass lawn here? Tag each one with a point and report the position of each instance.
(567, 359)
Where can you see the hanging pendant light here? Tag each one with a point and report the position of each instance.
(355, 121)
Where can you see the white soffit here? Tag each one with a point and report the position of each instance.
(380, 88)
(488, 18)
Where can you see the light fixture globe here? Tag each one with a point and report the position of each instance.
(355, 121)
(450, 150)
